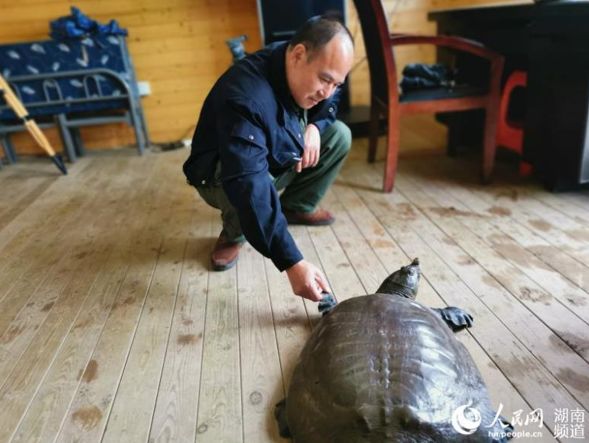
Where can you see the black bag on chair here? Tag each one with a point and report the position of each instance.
(423, 76)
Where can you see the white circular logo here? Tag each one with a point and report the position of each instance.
(466, 425)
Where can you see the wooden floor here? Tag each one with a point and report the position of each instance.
(113, 329)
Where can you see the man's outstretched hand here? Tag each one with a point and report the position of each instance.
(307, 280)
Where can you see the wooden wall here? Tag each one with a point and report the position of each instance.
(179, 47)
(176, 45)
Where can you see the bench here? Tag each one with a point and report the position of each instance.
(71, 84)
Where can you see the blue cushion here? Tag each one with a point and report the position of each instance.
(50, 56)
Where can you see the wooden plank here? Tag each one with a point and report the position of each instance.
(556, 351)
(195, 56)
(36, 232)
(576, 271)
(46, 278)
(42, 211)
(128, 13)
(556, 288)
(519, 210)
(62, 297)
(391, 257)
(175, 411)
(33, 256)
(132, 410)
(569, 263)
(548, 224)
(91, 405)
(107, 5)
(579, 199)
(341, 275)
(195, 74)
(261, 384)
(22, 202)
(452, 4)
(291, 323)
(538, 386)
(45, 413)
(141, 45)
(220, 414)
(572, 204)
(15, 183)
(362, 258)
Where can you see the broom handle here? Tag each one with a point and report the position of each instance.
(38, 135)
(21, 112)
(12, 100)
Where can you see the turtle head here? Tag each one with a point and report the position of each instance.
(403, 282)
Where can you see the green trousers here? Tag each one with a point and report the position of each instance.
(302, 191)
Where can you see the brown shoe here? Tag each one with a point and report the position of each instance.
(225, 253)
(319, 217)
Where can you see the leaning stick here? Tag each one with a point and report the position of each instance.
(30, 124)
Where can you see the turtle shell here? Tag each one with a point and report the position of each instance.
(383, 368)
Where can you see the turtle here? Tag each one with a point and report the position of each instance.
(385, 368)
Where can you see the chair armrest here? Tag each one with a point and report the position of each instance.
(458, 43)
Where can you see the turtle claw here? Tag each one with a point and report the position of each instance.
(506, 425)
(326, 304)
(456, 318)
(280, 415)
(505, 431)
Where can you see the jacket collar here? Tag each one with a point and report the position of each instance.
(278, 78)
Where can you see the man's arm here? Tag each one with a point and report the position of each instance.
(247, 183)
(320, 117)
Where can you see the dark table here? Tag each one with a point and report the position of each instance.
(551, 42)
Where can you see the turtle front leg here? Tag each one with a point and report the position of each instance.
(326, 304)
(280, 415)
(456, 318)
(504, 431)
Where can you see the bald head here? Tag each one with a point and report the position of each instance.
(318, 59)
(318, 31)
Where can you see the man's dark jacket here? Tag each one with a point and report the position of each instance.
(250, 123)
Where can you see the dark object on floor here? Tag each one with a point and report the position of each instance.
(171, 146)
(383, 367)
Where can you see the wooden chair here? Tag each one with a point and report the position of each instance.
(387, 101)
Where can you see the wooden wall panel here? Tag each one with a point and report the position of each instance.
(176, 45)
(179, 47)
